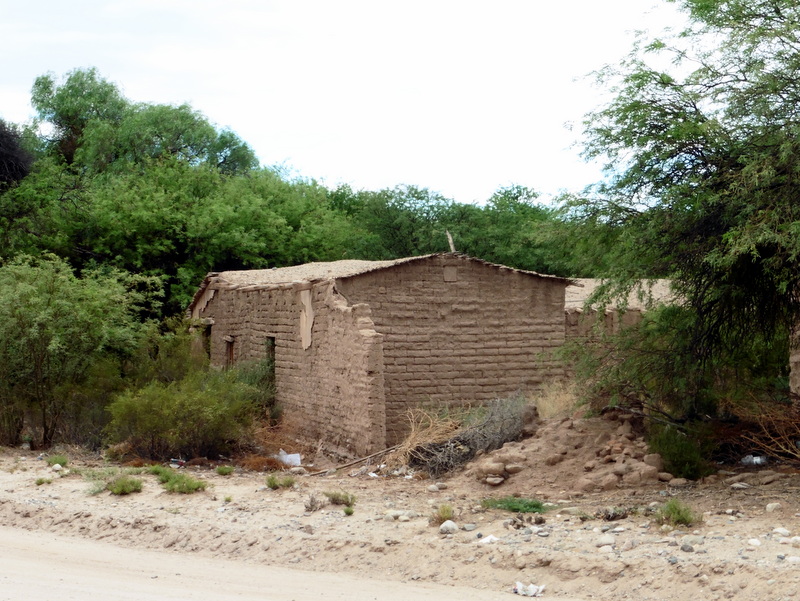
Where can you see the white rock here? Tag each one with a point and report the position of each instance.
(754, 542)
(57, 467)
(793, 559)
(772, 507)
(606, 539)
(448, 527)
(781, 531)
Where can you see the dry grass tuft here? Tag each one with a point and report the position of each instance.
(260, 463)
(439, 446)
(558, 399)
(425, 428)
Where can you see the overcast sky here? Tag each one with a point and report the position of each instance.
(460, 96)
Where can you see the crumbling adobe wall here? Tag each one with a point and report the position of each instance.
(592, 324)
(459, 331)
(328, 358)
(794, 367)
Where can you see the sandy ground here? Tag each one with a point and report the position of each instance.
(44, 566)
(239, 538)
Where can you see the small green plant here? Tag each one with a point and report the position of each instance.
(124, 485)
(274, 482)
(40, 481)
(224, 470)
(57, 460)
(341, 498)
(174, 481)
(441, 515)
(676, 513)
(682, 452)
(515, 504)
(228, 499)
(183, 484)
(348, 510)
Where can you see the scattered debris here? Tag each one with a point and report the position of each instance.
(530, 590)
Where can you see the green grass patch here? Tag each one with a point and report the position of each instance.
(349, 510)
(341, 498)
(124, 485)
(275, 482)
(174, 481)
(57, 460)
(40, 481)
(677, 513)
(515, 504)
(224, 470)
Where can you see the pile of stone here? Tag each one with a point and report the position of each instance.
(595, 454)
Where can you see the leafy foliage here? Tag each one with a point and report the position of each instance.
(54, 326)
(683, 450)
(202, 415)
(703, 168)
(15, 160)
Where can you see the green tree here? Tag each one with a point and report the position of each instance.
(15, 160)
(703, 164)
(54, 327)
(82, 97)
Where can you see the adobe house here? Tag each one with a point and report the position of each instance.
(357, 343)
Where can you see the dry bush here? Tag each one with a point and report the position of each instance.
(558, 399)
(503, 422)
(260, 463)
(777, 430)
(425, 428)
(288, 435)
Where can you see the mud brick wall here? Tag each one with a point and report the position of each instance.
(794, 367)
(592, 324)
(333, 389)
(457, 331)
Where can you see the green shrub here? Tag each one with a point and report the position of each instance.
(57, 460)
(40, 481)
(162, 472)
(682, 452)
(124, 485)
(174, 481)
(341, 498)
(348, 510)
(274, 482)
(205, 414)
(515, 504)
(224, 470)
(183, 484)
(676, 513)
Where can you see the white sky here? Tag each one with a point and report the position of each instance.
(460, 96)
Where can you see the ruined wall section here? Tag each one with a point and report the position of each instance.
(592, 324)
(459, 331)
(794, 368)
(331, 389)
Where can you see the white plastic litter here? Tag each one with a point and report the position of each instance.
(290, 459)
(530, 590)
(487, 540)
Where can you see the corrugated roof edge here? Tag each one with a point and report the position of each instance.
(356, 269)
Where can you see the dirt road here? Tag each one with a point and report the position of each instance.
(37, 566)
